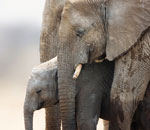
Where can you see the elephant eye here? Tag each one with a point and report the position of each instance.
(80, 32)
(39, 91)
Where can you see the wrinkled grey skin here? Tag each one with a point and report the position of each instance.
(92, 96)
(118, 29)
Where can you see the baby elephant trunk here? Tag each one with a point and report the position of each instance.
(28, 119)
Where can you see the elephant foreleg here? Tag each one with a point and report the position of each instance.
(132, 74)
(88, 109)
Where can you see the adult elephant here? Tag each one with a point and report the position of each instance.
(91, 29)
(48, 50)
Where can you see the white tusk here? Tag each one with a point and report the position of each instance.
(99, 61)
(77, 71)
(106, 124)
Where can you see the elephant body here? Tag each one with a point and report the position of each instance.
(92, 95)
(82, 31)
(117, 30)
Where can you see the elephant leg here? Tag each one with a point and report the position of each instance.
(88, 109)
(53, 118)
(131, 77)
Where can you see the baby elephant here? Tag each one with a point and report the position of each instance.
(41, 91)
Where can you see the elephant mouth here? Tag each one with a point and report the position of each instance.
(78, 68)
(77, 71)
(40, 105)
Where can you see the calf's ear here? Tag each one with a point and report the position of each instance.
(127, 20)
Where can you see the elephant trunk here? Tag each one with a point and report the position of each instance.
(53, 118)
(66, 86)
(28, 119)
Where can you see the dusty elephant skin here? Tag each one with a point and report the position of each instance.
(92, 95)
(48, 50)
(118, 29)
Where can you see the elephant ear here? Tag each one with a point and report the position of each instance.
(127, 20)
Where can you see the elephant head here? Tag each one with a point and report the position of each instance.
(42, 90)
(89, 30)
(81, 40)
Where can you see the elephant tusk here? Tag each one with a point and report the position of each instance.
(77, 71)
(99, 61)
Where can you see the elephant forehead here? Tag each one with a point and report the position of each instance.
(37, 83)
(82, 13)
(78, 19)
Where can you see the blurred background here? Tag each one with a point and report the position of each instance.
(20, 24)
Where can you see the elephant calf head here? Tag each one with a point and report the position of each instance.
(41, 91)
